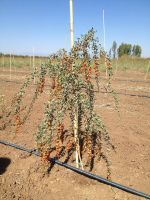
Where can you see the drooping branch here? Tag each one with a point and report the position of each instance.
(71, 99)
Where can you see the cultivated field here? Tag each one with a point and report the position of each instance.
(129, 130)
(24, 63)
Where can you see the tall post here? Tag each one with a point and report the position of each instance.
(3, 62)
(76, 125)
(104, 28)
(71, 24)
(10, 67)
(104, 39)
(148, 67)
(30, 63)
(33, 64)
(14, 63)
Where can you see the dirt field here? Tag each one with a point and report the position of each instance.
(129, 131)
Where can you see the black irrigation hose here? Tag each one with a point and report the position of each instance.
(8, 81)
(133, 95)
(131, 80)
(119, 93)
(128, 94)
(127, 80)
(82, 172)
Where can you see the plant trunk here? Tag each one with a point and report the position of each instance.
(77, 142)
(76, 136)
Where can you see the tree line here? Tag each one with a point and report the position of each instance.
(124, 49)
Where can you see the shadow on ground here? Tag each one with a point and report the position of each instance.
(4, 162)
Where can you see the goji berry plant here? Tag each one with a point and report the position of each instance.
(71, 99)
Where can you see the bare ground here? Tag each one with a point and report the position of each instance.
(129, 131)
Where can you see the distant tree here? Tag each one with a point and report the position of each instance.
(110, 53)
(114, 49)
(136, 50)
(133, 50)
(124, 49)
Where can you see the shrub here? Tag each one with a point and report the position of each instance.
(71, 98)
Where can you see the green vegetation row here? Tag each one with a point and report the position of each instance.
(20, 62)
(121, 64)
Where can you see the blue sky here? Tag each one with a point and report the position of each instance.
(44, 24)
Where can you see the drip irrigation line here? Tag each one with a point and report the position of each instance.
(127, 80)
(81, 172)
(133, 95)
(127, 94)
(119, 93)
(131, 80)
(8, 81)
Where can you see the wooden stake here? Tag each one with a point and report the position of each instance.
(104, 28)
(79, 154)
(104, 39)
(148, 67)
(3, 62)
(14, 63)
(76, 137)
(76, 109)
(105, 63)
(116, 67)
(30, 63)
(10, 67)
(71, 23)
(33, 65)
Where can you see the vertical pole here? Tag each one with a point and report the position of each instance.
(116, 67)
(3, 62)
(30, 63)
(14, 62)
(76, 136)
(104, 28)
(76, 125)
(148, 67)
(33, 65)
(10, 67)
(104, 39)
(71, 24)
